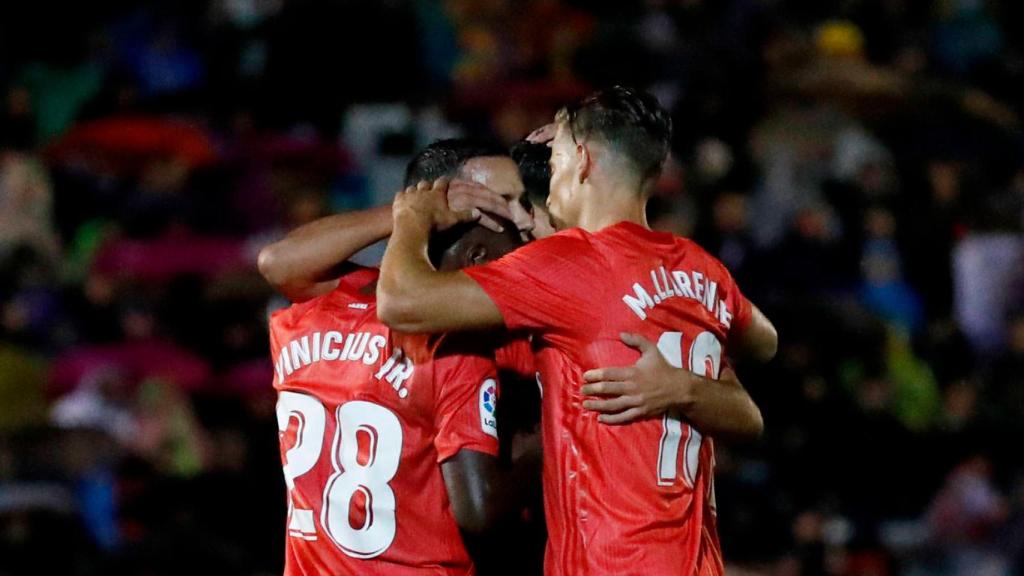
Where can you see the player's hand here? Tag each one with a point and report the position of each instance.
(480, 201)
(543, 135)
(646, 389)
(428, 202)
(522, 216)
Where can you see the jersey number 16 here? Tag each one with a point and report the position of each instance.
(705, 359)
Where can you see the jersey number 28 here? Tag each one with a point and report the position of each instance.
(360, 477)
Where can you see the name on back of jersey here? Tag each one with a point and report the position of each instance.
(335, 346)
(677, 284)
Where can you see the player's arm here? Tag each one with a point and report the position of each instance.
(308, 261)
(411, 295)
(471, 477)
(485, 496)
(651, 387)
(759, 340)
(483, 492)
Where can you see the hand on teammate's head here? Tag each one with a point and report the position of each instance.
(428, 201)
(468, 195)
(543, 135)
(465, 195)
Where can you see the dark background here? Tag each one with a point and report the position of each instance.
(857, 164)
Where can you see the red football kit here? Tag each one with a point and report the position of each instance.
(633, 499)
(366, 417)
(514, 353)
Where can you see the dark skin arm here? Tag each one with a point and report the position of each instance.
(411, 295)
(720, 408)
(308, 261)
(481, 492)
(483, 496)
(471, 478)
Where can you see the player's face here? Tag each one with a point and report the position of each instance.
(564, 167)
(500, 174)
(542, 226)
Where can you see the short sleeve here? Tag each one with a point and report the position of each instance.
(738, 307)
(743, 311)
(546, 285)
(467, 389)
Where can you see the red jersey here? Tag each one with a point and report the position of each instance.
(634, 499)
(516, 355)
(366, 417)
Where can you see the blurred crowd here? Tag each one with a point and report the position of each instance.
(858, 165)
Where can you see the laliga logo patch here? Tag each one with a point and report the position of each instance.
(488, 402)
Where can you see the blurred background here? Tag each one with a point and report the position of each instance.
(858, 165)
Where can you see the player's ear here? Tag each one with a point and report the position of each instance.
(585, 162)
(477, 254)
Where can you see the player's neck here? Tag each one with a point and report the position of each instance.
(605, 211)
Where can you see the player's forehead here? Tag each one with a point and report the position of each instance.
(499, 173)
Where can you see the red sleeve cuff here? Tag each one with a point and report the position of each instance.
(743, 317)
(485, 446)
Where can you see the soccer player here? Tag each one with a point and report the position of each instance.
(306, 263)
(635, 499)
(388, 440)
(375, 424)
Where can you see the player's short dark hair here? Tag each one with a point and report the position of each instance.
(444, 158)
(629, 120)
(532, 159)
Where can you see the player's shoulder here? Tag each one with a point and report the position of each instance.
(354, 293)
(689, 252)
(634, 232)
(707, 259)
(683, 251)
(697, 258)
(295, 312)
(692, 249)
